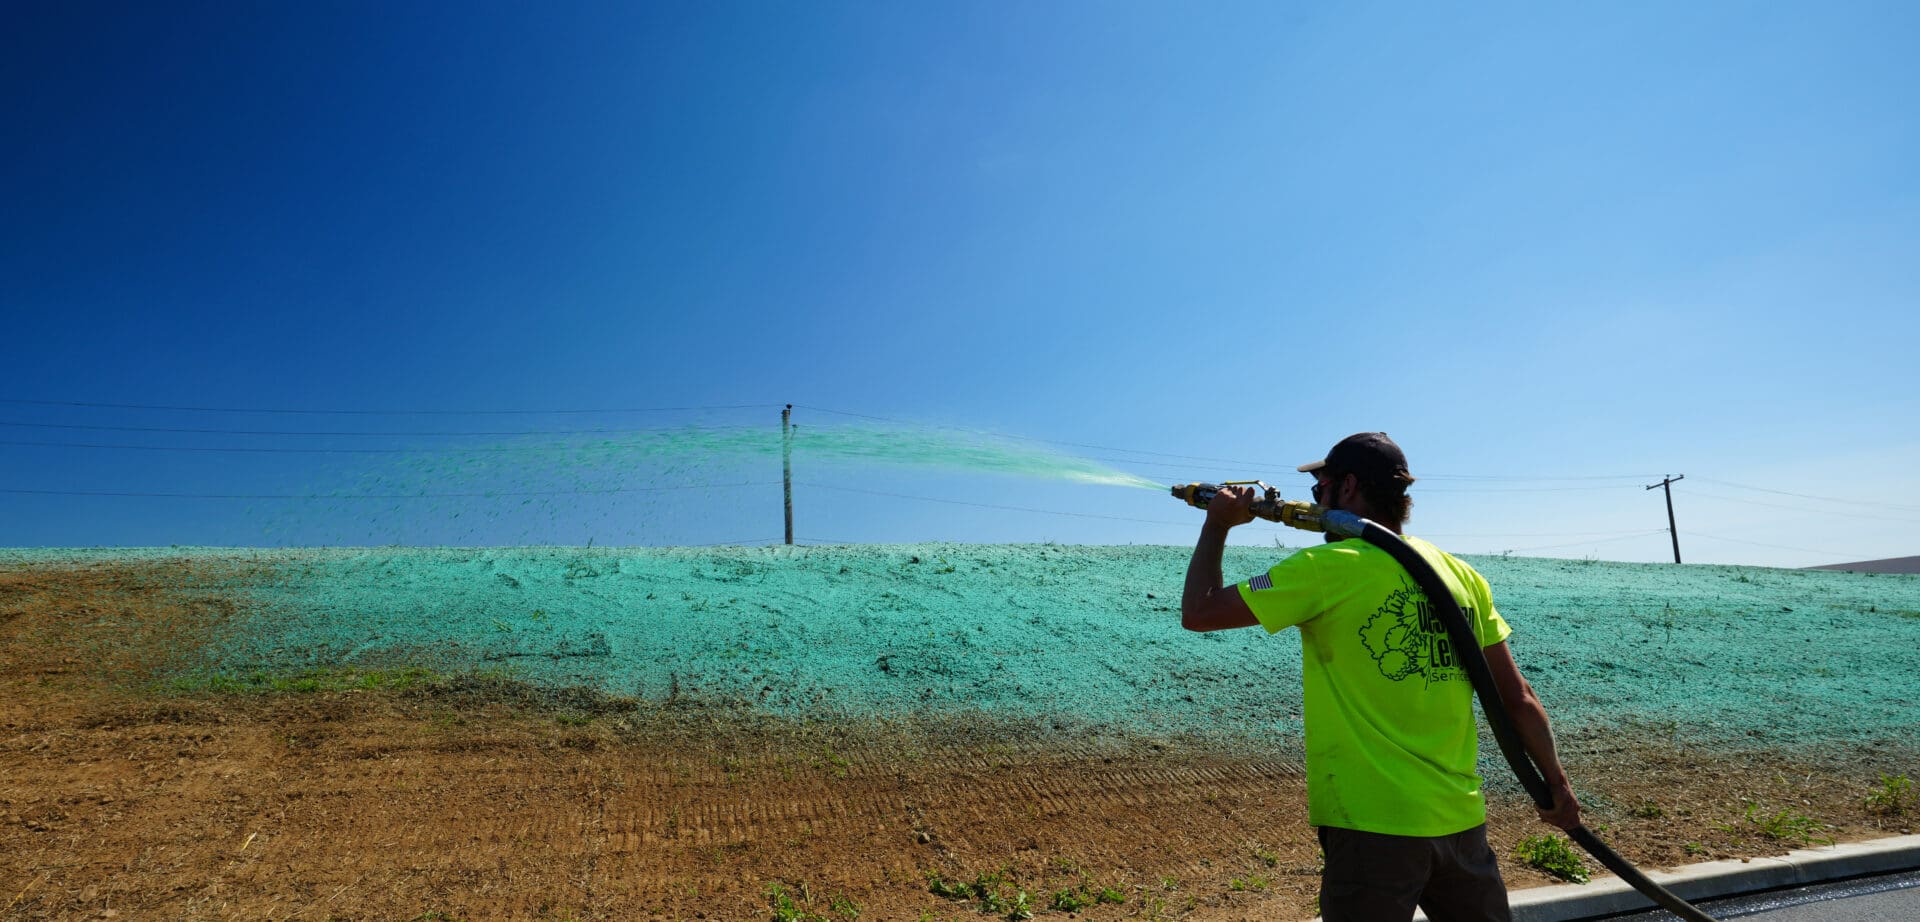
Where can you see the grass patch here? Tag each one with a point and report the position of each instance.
(1786, 826)
(1892, 797)
(1553, 855)
(790, 902)
(1070, 900)
(306, 681)
(994, 894)
(947, 889)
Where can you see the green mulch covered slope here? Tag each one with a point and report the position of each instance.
(1734, 656)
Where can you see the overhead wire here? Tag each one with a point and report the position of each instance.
(1624, 537)
(1534, 534)
(1162, 454)
(957, 502)
(1824, 499)
(488, 449)
(238, 449)
(377, 433)
(1185, 461)
(1777, 547)
(322, 412)
(1028, 438)
(1800, 509)
(476, 449)
(1181, 460)
(485, 494)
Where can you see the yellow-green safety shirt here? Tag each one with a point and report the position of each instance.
(1391, 739)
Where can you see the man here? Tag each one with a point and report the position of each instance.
(1391, 743)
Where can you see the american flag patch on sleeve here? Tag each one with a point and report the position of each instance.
(1260, 582)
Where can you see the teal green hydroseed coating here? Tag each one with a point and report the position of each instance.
(1708, 654)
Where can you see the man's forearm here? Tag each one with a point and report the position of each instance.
(1203, 571)
(1530, 719)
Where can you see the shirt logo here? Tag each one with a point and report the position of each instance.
(1260, 582)
(1406, 638)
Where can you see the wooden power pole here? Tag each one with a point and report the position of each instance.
(1667, 486)
(786, 469)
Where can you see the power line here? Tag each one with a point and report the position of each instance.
(1800, 509)
(1028, 438)
(957, 502)
(1782, 547)
(1162, 454)
(148, 406)
(1518, 477)
(296, 451)
(1418, 489)
(1185, 462)
(1638, 534)
(202, 431)
(1477, 478)
(1824, 499)
(480, 495)
(1537, 534)
(238, 449)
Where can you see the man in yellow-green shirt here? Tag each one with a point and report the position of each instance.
(1392, 787)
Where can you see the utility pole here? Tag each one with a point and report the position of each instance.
(786, 469)
(1667, 486)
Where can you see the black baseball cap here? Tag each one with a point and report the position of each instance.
(1370, 455)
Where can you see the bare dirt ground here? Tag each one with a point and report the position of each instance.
(405, 797)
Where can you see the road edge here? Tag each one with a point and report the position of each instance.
(1714, 879)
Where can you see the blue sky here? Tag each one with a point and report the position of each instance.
(1534, 242)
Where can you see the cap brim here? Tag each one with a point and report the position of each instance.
(1311, 466)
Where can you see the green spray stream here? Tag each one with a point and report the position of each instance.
(644, 486)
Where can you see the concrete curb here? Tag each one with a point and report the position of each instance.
(1712, 879)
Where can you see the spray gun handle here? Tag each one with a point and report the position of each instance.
(1268, 506)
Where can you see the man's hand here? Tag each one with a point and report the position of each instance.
(1229, 507)
(1207, 603)
(1566, 807)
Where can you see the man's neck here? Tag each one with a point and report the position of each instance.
(1367, 513)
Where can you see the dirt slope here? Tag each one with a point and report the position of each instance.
(399, 794)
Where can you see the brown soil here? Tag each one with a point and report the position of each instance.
(463, 798)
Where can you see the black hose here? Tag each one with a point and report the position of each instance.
(1466, 648)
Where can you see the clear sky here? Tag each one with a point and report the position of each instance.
(1557, 250)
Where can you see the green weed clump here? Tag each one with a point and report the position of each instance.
(948, 889)
(1070, 901)
(1892, 797)
(787, 909)
(1786, 826)
(1553, 855)
(783, 906)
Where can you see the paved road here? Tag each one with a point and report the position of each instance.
(1871, 899)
